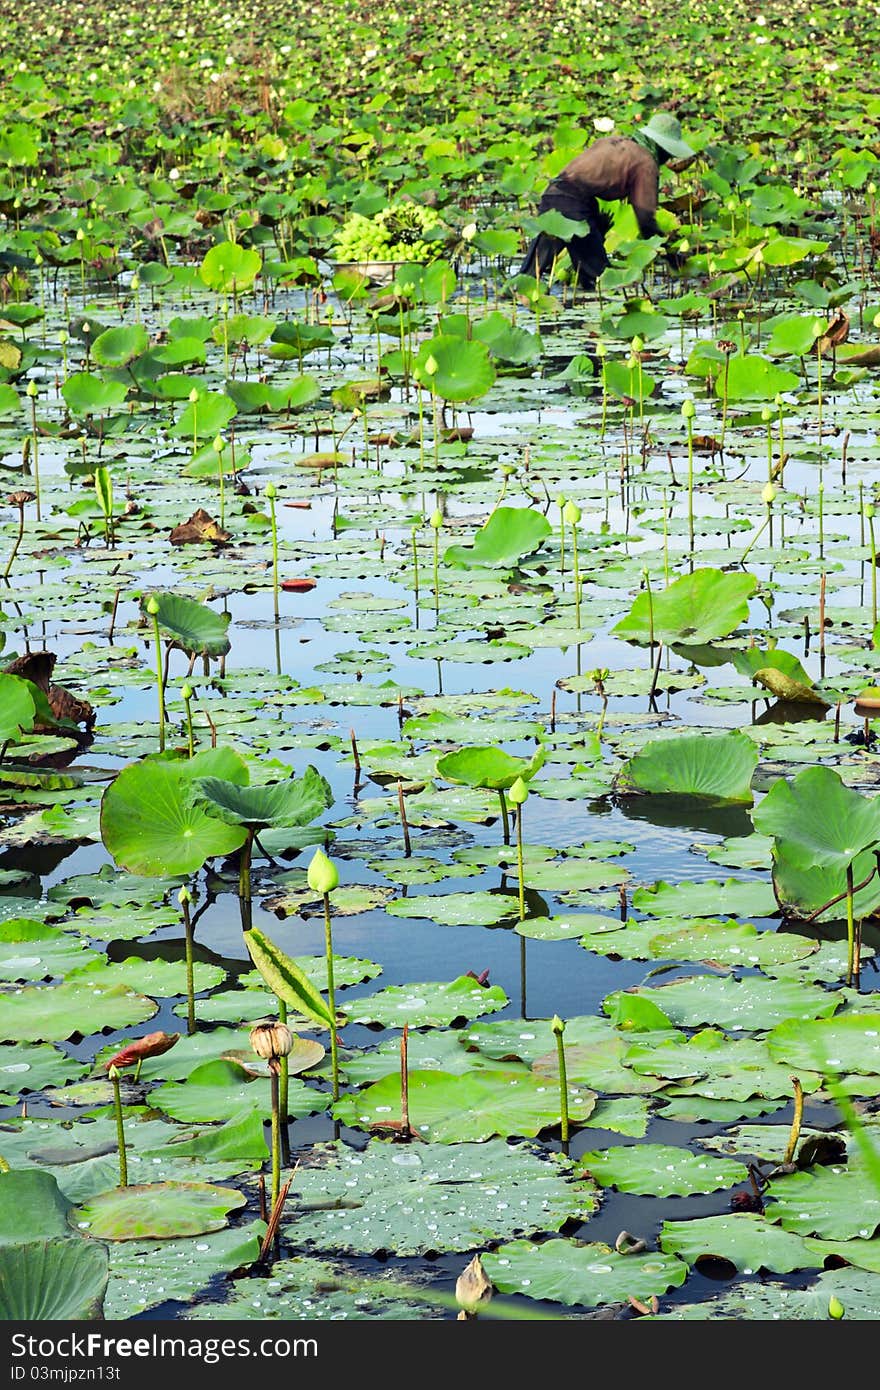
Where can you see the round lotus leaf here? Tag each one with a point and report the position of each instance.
(661, 1170)
(108, 887)
(160, 978)
(728, 943)
(733, 898)
(689, 1108)
(745, 1240)
(567, 927)
(857, 1291)
(52, 1281)
(430, 1051)
(766, 1143)
(631, 941)
(714, 766)
(695, 609)
(317, 1290)
(32, 1207)
(590, 1275)
(862, 1254)
(231, 1006)
(221, 1090)
(25, 1067)
(626, 1115)
(417, 1198)
(752, 1003)
(458, 909)
(52, 1013)
(347, 900)
(144, 1273)
(33, 951)
(848, 1043)
(717, 1066)
(427, 1005)
(156, 1210)
(601, 1064)
(835, 1203)
(468, 1108)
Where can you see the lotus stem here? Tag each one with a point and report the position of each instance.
(271, 494)
(31, 392)
(404, 1081)
(245, 855)
(558, 1027)
(331, 996)
(404, 823)
(796, 1122)
(185, 899)
(153, 610)
(276, 1138)
(283, 1087)
(187, 694)
(120, 1128)
(850, 926)
(505, 818)
(869, 513)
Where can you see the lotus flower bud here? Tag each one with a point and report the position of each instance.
(835, 1308)
(768, 494)
(431, 366)
(435, 520)
(323, 875)
(193, 396)
(219, 444)
(186, 691)
(518, 792)
(688, 410)
(271, 491)
(870, 512)
(271, 1041)
(184, 896)
(571, 513)
(31, 389)
(152, 605)
(557, 1025)
(766, 414)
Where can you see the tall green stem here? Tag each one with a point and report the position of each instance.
(120, 1128)
(850, 926)
(184, 900)
(558, 1027)
(331, 997)
(153, 610)
(276, 1139)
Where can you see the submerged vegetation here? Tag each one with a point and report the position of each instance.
(458, 821)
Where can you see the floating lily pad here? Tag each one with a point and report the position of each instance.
(31, 1068)
(856, 1291)
(421, 1197)
(430, 1051)
(159, 1210)
(317, 1290)
(458, 909)
(32, 1207)
(214, 1091)
(432, 1005)
(836, 1202)
(52, 1281)
(144, 1273)
(661, 1170)
(848, 1043)
(719, 1067)
(728, 943)
(733, 898)
(51, 1013)
(467, 1108)
(590, 1275)
(35, 951)
(737, 1004)
(745, 1241)
(161, 978)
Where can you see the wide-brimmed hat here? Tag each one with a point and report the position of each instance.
(665, 130)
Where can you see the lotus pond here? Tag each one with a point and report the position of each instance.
(471, 679)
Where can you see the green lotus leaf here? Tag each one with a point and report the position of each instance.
(841, 1045)
(509, 536)
(590, 1275)
(430, 1197)
(116, 347)
(230, 268)
(458, 909)
(286, 980)
(25, 1067)
(726, 943)
(35, 951)
(718, 1066)
(466, 1108)
(714, 766)
(291, 803)
(32, 1207)
(309, 1288)
(492, 768)
(732, 1004)
(736, 897)
(661, 1170)
(156, 1210)
(192, 626)
(150, 822)
(857, 1292)
(697, 608)
(87, 394)
(144, 1273)
(53, 1013)
(835, 1203)
(745, 1240)
(817, 821)
(205, 417)
(454, 368)
(751, 377)
(434, 1005)
(52, 1281)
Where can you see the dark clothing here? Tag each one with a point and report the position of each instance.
(613, 169)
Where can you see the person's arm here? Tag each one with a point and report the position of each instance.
(644, 194)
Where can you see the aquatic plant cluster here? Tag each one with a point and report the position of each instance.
(437, 719)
